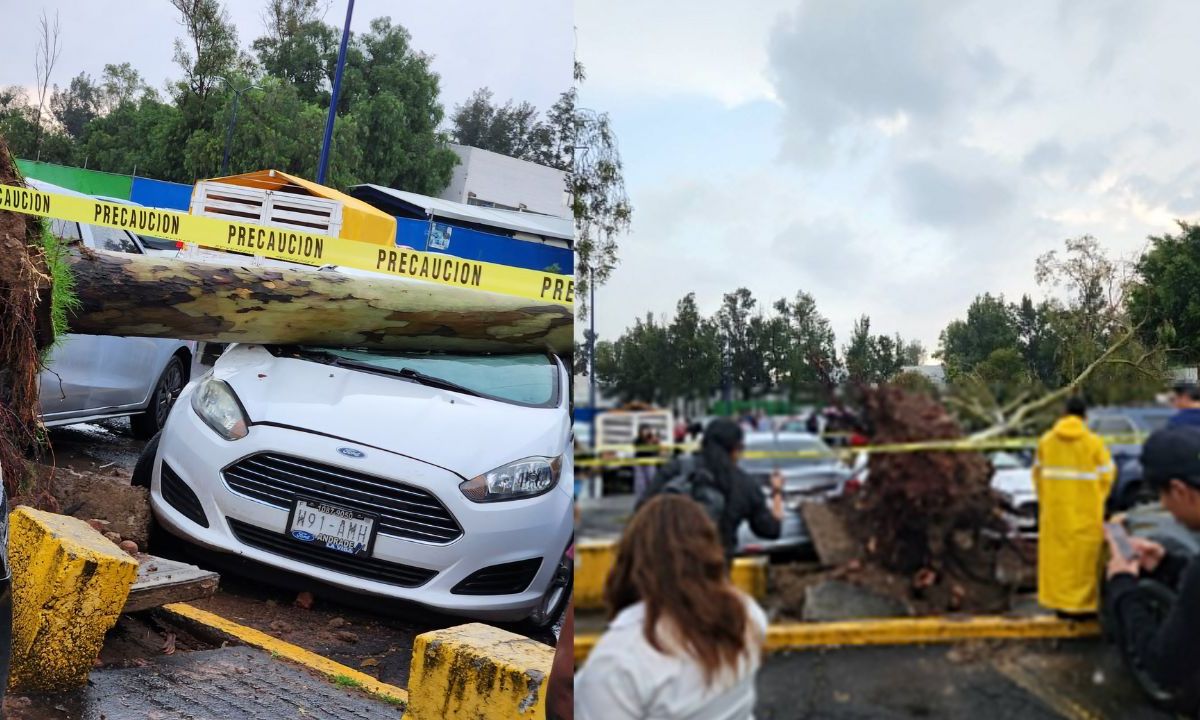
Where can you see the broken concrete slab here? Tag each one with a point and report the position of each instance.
(838, 600)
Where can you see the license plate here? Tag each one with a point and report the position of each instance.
(331, 526)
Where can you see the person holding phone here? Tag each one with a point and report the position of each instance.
(1166, 649)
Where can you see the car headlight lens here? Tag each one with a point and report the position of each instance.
(219, 408)
(520, 479)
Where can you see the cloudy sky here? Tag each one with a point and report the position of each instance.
(891, 158)
(519, 48)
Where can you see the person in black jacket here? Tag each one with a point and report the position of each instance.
(1165, 649)
(720, 450)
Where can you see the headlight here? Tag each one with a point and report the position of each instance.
(520, 479)
(219, 408)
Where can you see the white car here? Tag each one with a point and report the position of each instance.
(97, 377)
(443, 479)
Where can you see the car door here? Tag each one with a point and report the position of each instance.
(125, 368)
(65, 382)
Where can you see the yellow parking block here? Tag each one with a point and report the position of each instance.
(594, 559)
(904, 631)
(477, 672)
(69, 586)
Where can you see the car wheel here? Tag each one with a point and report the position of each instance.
(556, 595)
(143, 471)
(170, 384)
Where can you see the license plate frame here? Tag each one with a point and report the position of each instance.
(325, 507)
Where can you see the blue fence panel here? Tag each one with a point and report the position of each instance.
(161, 194)
(485, 247)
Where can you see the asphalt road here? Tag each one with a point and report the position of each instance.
(1076, 680)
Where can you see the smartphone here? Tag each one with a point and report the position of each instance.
(1120, 538)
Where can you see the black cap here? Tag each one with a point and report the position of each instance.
(1172, 453)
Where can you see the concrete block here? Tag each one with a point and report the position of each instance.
(69, 586)
(477, 672)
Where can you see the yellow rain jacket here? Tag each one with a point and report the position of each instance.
(1072, 476)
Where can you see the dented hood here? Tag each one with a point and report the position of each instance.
(461, 433)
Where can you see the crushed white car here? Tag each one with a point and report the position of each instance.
(442, 479)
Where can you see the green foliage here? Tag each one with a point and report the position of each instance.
(873, 359)
(346, 681)
(62, 299)
(989, 326)
(1164, 300)
(914, 382)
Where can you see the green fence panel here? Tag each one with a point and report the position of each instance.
(89, 182)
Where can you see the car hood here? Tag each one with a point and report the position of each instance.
(464, 434)
(1015, 482)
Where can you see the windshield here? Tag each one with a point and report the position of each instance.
(1006, 461)
(157, 243)
(519, 379)
(821, 455)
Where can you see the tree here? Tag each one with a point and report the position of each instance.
(299, 48)
(121, 84)
(48, 50)
(393, 95)
(1163, 301)
(694, 352)
(509, 129)
(989, 327)
(599, 203)
(210, 50)
(810, 346)
(78, 105)
(740, 341)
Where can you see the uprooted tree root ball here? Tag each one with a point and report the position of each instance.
(25, 330)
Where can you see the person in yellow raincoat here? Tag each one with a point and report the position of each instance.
(1072, 477)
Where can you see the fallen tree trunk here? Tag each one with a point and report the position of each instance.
(144, 296)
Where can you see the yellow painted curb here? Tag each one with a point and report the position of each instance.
(69, 587)
(903, 631)
(594, 559)
(288, 651)
(477, 672)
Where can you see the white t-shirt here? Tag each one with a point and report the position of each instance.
(625, 678)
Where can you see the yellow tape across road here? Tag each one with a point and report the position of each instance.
(294, 245)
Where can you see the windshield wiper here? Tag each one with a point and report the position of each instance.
(432, 381)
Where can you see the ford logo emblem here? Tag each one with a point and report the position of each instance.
(302, 535)
(352, 453)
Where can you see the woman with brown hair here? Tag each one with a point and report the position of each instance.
(682, 643)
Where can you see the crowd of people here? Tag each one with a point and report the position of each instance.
(684, 643)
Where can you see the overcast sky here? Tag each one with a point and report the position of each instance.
(891, 158)
(521, 49)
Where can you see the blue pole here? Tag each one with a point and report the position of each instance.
(323, 163)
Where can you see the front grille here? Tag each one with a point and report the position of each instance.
(181, 497)
(507, 579)
(366, 568)
(404, 511)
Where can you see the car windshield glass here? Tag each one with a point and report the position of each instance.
(157, 243)
(521, 379)
(820, 455)
(1006, 461)
(1153, 422)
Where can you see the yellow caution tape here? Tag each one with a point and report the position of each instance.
(294, 245)
(588, 460)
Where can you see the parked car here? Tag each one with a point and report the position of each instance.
(805, 479)
(96, 377)
(442, 479)
(1013, 479)
(1131, 425)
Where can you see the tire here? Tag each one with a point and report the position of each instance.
(554, 601)
(143, 471)
(170, 383)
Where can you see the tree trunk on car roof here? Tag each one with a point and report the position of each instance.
(145, 296)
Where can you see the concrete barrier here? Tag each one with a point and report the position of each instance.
(594, 559)
(69, 586)
(477, 672)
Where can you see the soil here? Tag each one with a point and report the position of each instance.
(138, 638)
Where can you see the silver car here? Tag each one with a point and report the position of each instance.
(96, 377)
(814, 478)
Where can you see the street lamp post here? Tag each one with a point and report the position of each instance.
(592, 351)
(323, 163)
(237, 94)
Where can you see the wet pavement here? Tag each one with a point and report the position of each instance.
(233, 683)
(1076, 680)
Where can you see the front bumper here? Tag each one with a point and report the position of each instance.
(493, 534)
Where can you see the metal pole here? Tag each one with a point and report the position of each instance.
(323, 163)
(229, 132)
(592, 351)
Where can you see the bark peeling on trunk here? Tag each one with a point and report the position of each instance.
(136, 295)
